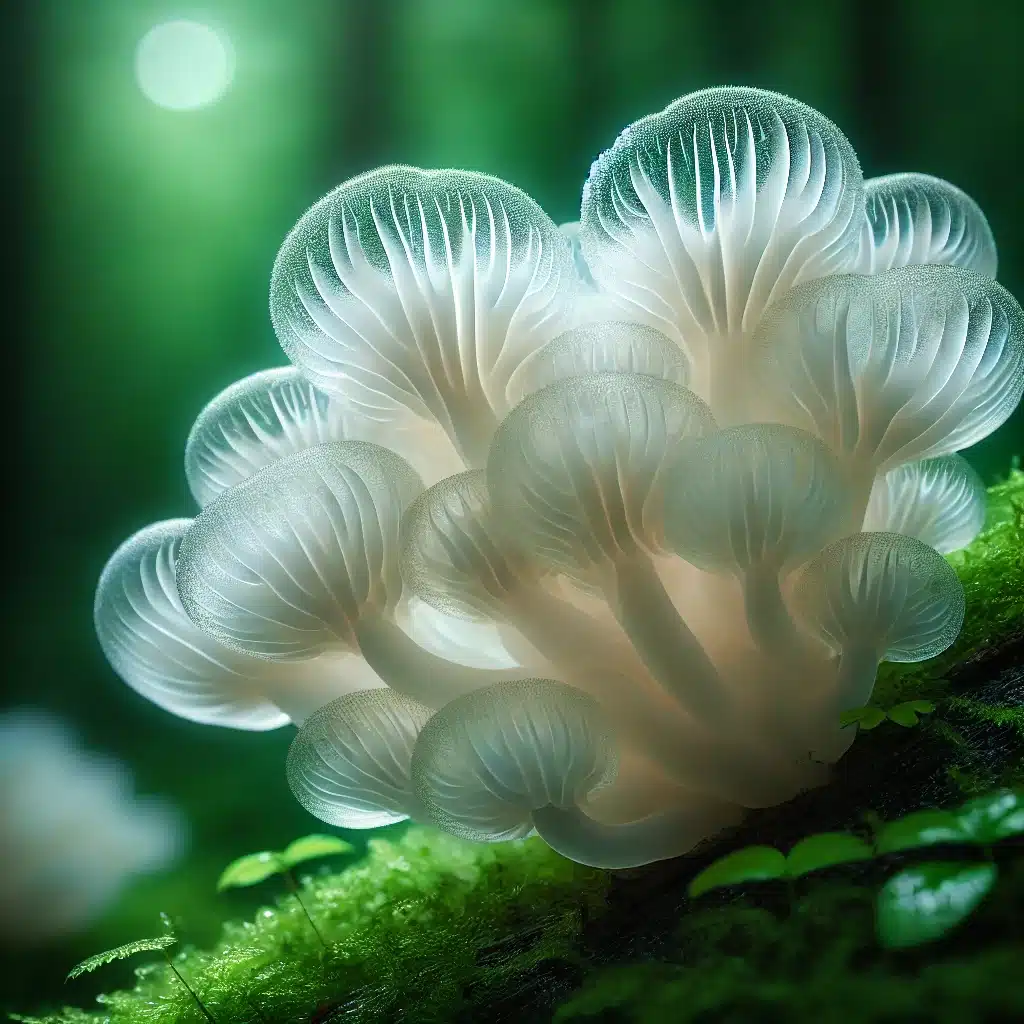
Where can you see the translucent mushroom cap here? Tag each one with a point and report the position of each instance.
(702, 215)
(284, 564)
(406, 289)
(485, 761)
(939, 501)
(256, 421)
(158, 651)
(757, 494)
(909, 364)
(606, 346)
(455, 555)
(575, 468)
(915, 219)
(349, 764)
(882, 592)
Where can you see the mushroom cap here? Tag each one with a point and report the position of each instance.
(257, 421)
(575, 469)
(700, 216)
(882, 591)
(422, 290)
(939, 501)
(160, 653)
(605, 346)
(915, 219)
(349, 763)
(458, 638)
(909, 364)
(455, 555)
(486, 760)
(757, 494)
(284, 564)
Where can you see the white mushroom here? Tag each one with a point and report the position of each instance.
(700, 216)
(874, 597)
(755, 501)
(406, 289)
(349, 764)
(914, 219)
(909, 364)
(302, 560)
(575, 470)
(939, 501)
(525, 755)
(159, 652)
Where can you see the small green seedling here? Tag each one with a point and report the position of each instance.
(763, 863)
(160, 943)
(254, 868)
(905, 714)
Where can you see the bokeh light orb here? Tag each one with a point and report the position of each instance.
(183, 65)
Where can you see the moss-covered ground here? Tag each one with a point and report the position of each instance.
(426, 928)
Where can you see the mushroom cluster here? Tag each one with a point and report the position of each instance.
(591, 531)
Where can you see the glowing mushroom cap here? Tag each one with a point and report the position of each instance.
(455, 556)
(406, 289)
(882, 592)
(939, 501)
(487, 760)
(349, 764)
(757, 494)
(256, 421)
(283, 565)
(912, 363)
(575, 468)
(915, 219)
(702, 215)
(606, 346)
(159, 652)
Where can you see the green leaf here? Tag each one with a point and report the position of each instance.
(311, 847)
(128, 949)
(751, 864)
(902, 715)
(871, 718)
(250, 870)
(824, 850)
(992, 817)
(853, 716)
(926, 901)
(922, 707)
(922, 828)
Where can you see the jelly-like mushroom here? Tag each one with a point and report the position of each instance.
(525, 755)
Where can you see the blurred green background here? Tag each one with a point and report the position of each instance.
(139, 287)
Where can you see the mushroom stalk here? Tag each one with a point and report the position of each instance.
(855, 678)
(666, 644)
(410, 670)
(768, 619)
(670, 833)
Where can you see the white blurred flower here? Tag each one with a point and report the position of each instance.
(72, 833)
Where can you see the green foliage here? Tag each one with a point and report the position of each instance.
(425, 926)
(922, 828)
(905, 714)
(254, 868)
(763, 863)
(924, 902)
(313, 847)
(121, 952)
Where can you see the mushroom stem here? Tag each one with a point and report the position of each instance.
(855, 677)
(410, 670)
(664, 642)
(768, 619)
(669, 833)
(589, 659)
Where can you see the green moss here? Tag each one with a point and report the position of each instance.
(430, 929)
(424, 921)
